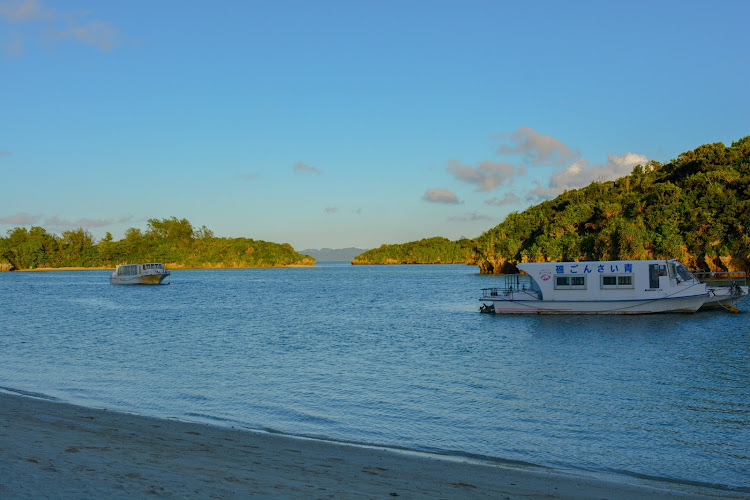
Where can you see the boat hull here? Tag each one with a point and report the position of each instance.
(724, 296)
(148, 279)
(687, 304)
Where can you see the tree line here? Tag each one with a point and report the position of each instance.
(172, 241)
(436, 250)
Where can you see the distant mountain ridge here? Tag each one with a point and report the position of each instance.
(333, 254)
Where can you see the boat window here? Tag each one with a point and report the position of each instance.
(570, 282)
(129, 270)
(611, 281)
(683, 273)
(653, 276)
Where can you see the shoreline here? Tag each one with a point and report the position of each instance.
(56, 449)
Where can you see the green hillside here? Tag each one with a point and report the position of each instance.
(695, 208)
(172, 241)
(435, 250)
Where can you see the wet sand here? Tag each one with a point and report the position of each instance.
(56, 450)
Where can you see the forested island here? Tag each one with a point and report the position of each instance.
(435, 250)
(172, 241)
(695, 209)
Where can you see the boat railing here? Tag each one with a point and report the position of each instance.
(511, 283)
(719, 278)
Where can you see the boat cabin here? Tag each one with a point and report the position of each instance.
(136, 269)
(599, 280)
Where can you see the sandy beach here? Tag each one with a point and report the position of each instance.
(50, 449)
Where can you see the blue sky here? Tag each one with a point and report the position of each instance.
(349, 123)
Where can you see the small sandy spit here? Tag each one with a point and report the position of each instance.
(50, 449)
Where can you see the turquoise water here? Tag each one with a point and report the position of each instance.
(395, 356)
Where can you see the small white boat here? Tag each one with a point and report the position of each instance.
(725, 288)
(139, 274)
(603, 287)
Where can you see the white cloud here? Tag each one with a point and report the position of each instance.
(63, 223)
(19, 219)
(24, 11)
(486, 176)
(248, 176)
(57, 25)
(578, 174)
(508, 199)
(536, 149)
(101, 34)
(13, 49)
(302, 167)
(440, 196)
(472, 217)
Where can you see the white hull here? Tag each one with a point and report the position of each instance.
(151, 279)
(532, 306)
(722, 296)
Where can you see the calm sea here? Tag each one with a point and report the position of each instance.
(396, 356)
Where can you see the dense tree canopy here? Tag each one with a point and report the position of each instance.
(427, 251)
(171, 241)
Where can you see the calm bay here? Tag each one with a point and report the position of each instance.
(394, 356)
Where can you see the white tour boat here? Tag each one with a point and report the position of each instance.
(725, 288)
(139, 274)
(606, 287)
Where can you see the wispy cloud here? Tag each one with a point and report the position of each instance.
(24, 11)
(487, 175)
(248, 176)
(101, 34)
(471, 217)
(57, 222)
(331, 210)
(56, 25)
(19, 219)
(13, 49)
(507, 199)
(535, 148)
(302, 167)
(440, 196)
(578, 174)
